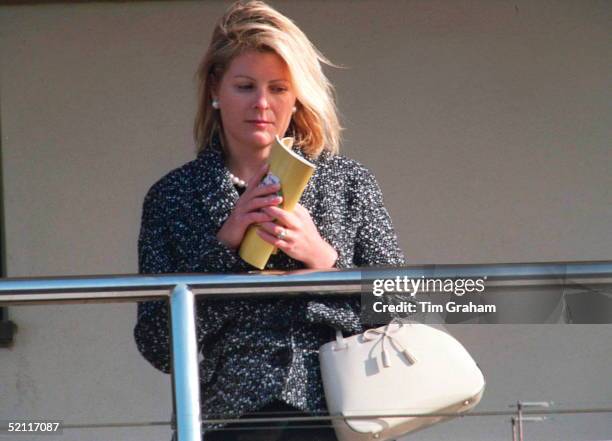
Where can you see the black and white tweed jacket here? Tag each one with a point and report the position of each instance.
(260, 350)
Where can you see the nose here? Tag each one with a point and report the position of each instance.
(261, 100)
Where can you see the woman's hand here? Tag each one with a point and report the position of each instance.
(248, 210)
(300, 240)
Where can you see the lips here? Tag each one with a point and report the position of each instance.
(260, 124)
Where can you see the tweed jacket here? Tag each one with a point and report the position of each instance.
(254, 351)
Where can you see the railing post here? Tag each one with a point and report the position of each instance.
(186, 384)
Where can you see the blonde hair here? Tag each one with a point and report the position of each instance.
(253, 25)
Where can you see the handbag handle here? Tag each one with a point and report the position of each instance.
(341, 343)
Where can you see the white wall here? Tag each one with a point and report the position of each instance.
(487, 124)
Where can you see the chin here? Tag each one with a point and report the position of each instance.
(262, 140)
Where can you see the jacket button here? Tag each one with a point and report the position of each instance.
(283, 357)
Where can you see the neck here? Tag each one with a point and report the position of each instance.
(245, 162)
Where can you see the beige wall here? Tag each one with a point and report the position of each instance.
(487, 124)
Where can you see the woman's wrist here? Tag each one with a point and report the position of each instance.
(223, 238)
(325, 259)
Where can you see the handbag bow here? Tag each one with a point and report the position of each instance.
(386, 333)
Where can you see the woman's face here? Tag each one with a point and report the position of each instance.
(256, 100)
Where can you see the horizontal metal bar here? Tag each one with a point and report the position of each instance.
(115, 425)
(404, 415)
(323, 418)
(118, 288)
(163, 282)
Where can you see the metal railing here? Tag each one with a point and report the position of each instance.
(181, 290)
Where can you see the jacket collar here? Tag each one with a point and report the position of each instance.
(218, 193)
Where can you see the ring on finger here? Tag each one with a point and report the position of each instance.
(282, 234)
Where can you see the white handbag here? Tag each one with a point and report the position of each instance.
(396, 369)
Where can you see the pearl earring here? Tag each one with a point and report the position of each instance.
(294, 109)
(215, 104)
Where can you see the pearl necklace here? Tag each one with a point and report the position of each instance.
(237, 181)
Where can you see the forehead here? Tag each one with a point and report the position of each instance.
(258, 65)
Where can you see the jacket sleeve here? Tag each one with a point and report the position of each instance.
(151, 332)
(157, 255)
(376, 244)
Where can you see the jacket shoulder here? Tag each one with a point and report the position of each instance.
(340, 167)
(175, 182)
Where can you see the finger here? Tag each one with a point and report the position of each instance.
(244, 201)
(257, 177)
(273, 240)
(255, 217)
(276, 230)
(284, 217)
(262, 190)
(258, 203)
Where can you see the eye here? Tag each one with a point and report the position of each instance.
(279, 89)
(244, 86)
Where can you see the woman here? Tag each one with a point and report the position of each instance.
(261, 77)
